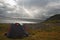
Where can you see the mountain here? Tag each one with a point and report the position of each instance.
(53, 19)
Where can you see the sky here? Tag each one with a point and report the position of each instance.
(35, 9)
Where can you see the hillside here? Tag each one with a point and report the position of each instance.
(53, 19)
(50, 24)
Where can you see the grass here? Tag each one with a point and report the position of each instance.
(52, 33)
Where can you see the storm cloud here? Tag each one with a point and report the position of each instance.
(42, 8)
(36, 9)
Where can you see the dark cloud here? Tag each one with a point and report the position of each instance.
(40, 9)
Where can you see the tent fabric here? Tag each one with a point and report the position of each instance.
(16, 31)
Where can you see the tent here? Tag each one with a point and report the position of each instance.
(16, 31)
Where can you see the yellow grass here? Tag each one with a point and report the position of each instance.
(33, 34)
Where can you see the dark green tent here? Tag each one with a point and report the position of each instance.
(16, 31)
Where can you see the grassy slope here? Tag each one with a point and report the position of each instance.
(49, 33)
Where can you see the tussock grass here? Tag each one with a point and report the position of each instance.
(38, 34)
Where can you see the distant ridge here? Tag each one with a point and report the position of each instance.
(55, 18)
